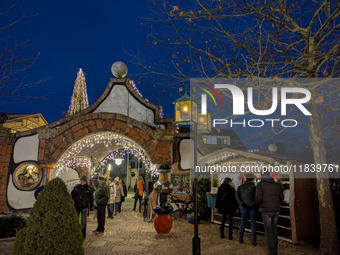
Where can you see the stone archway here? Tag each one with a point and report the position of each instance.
(154, 141)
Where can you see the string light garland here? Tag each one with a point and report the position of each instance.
(226, 158)
(71, 160)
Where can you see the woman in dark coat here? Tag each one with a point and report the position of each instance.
(121, 182)
(226, 204)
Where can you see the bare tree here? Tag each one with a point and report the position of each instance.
(257, 39)
(13, 62)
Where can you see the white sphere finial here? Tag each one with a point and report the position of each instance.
(119, 69)
(272, 148)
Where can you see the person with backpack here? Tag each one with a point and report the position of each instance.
(226, 205)
(82, 195)
(246, 199)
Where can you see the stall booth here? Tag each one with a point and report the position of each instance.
(299, 217)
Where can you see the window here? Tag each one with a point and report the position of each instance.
(132, 164)
(205, 140)
(223, 140)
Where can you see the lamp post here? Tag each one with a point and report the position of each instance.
(186, 114)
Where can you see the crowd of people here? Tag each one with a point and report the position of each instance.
(108, 194)
(265, 198)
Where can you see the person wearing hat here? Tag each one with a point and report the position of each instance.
(268, 197)
(101, 198)
(246, 199)
(118, 193)
(82, 195)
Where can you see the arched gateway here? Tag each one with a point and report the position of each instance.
(119, 116)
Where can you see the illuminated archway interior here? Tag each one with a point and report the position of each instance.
(93, 151)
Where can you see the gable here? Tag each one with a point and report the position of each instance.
(119, 100)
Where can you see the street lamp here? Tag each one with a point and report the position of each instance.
(118, 160)
(185, 110)
(186, 114)
(204, 122)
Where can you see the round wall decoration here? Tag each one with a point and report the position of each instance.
(27, 176)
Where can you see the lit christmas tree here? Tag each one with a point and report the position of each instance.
(79, 100)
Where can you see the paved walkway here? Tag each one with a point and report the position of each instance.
(127, 233)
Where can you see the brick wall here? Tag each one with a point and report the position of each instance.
(6, 148)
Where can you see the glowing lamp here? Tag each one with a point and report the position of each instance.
(118, 160)
(185, 110)
(204, 123)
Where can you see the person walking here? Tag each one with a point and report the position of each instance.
(269, 195)
(226, 205)
(111, 199)
(138, 189)
(246, 199)
(118, 193)
(121, 182)
(101, 198)
(82, 195)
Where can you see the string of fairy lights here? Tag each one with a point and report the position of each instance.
(136, 152)
(71, 160)
(226, 159)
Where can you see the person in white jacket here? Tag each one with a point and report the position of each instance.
(111, 199)
(119, 192)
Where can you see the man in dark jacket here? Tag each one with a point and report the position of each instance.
(268, 196)
(82, 195)
(226, 204)
(101, 198)
(246, 199)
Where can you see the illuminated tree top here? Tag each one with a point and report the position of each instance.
(79, 100)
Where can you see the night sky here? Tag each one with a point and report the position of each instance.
(83, 34)
(79, 34)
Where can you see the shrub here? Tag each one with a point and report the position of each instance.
(203, 187)
(9, 226)
(52, 225)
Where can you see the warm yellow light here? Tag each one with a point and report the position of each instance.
(201, 119)
(185, 108)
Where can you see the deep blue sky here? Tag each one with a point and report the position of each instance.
(80, 34)
(83, 34)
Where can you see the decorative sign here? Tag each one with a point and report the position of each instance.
(27, 176)
(70, 184)
(214, 190)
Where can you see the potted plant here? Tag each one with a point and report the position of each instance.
(203, 211)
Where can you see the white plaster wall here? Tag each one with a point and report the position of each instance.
(120, 101)
(19, 199)
(26, 148)
(186, 151)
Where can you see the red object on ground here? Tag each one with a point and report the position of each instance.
(163, 223)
